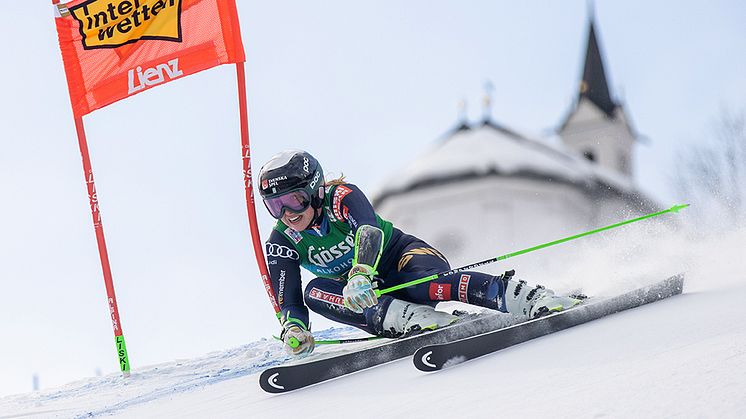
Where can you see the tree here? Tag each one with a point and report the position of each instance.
(712, 174)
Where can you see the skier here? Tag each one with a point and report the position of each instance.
(331, 229)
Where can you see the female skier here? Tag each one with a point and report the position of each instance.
(331, 229)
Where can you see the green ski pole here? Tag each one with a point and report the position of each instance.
(295, 343)
(351, 340)
(673, 209)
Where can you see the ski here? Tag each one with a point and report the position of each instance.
(314, 370)
(437, 356)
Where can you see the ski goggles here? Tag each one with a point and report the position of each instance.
(296, 201)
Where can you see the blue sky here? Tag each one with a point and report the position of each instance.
(362, 86)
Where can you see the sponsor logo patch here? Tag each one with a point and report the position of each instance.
(316, 178)
(281, 288)
(326, 297)
(340, 211)
(138, 79)
(279, 251)
(463, 287)
(266, 183)
(113, 23)
(294, 235)
(440, 292)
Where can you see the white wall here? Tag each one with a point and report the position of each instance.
(610, 140)
(478, 219)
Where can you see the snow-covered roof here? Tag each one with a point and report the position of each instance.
(490, 150)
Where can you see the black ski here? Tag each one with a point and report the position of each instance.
(437, 356)
(314, 370)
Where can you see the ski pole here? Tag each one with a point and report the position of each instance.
(295, 343)
(351, 340)
(673, 209)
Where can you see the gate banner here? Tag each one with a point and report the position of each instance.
(113, 49)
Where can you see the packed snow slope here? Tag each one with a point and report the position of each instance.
(681, 357)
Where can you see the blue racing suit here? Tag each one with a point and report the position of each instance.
(326, 249)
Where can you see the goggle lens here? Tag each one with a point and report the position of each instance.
(295, 201)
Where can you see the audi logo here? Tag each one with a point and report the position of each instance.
(280, 251)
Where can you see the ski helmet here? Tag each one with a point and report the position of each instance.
(292, 179)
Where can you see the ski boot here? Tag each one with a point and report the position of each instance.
(405, 319)
(533, 302)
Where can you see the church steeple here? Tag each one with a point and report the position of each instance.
(596, 127)
(594, 86)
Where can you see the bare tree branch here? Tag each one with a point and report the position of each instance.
(712, 174)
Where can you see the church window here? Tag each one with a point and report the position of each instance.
(624, 163)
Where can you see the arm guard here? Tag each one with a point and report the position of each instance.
(368, 246)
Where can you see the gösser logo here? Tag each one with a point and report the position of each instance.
(113, 23)
(152, 76)
(322, 256)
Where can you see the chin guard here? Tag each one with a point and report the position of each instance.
(368, 246)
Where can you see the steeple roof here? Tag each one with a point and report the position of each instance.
(594, 85)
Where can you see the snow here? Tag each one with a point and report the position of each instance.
(681, 357)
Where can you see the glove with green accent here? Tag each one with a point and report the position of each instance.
(298, 341)
(359, 294)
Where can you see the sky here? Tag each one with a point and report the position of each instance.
(364, 87)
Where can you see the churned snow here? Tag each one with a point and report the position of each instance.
(681, 357)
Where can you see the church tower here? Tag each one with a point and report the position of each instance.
(597, 128)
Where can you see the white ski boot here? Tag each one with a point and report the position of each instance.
(534, 302)
(404, 318)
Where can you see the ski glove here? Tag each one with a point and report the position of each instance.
(359, 294)
(297, 340)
